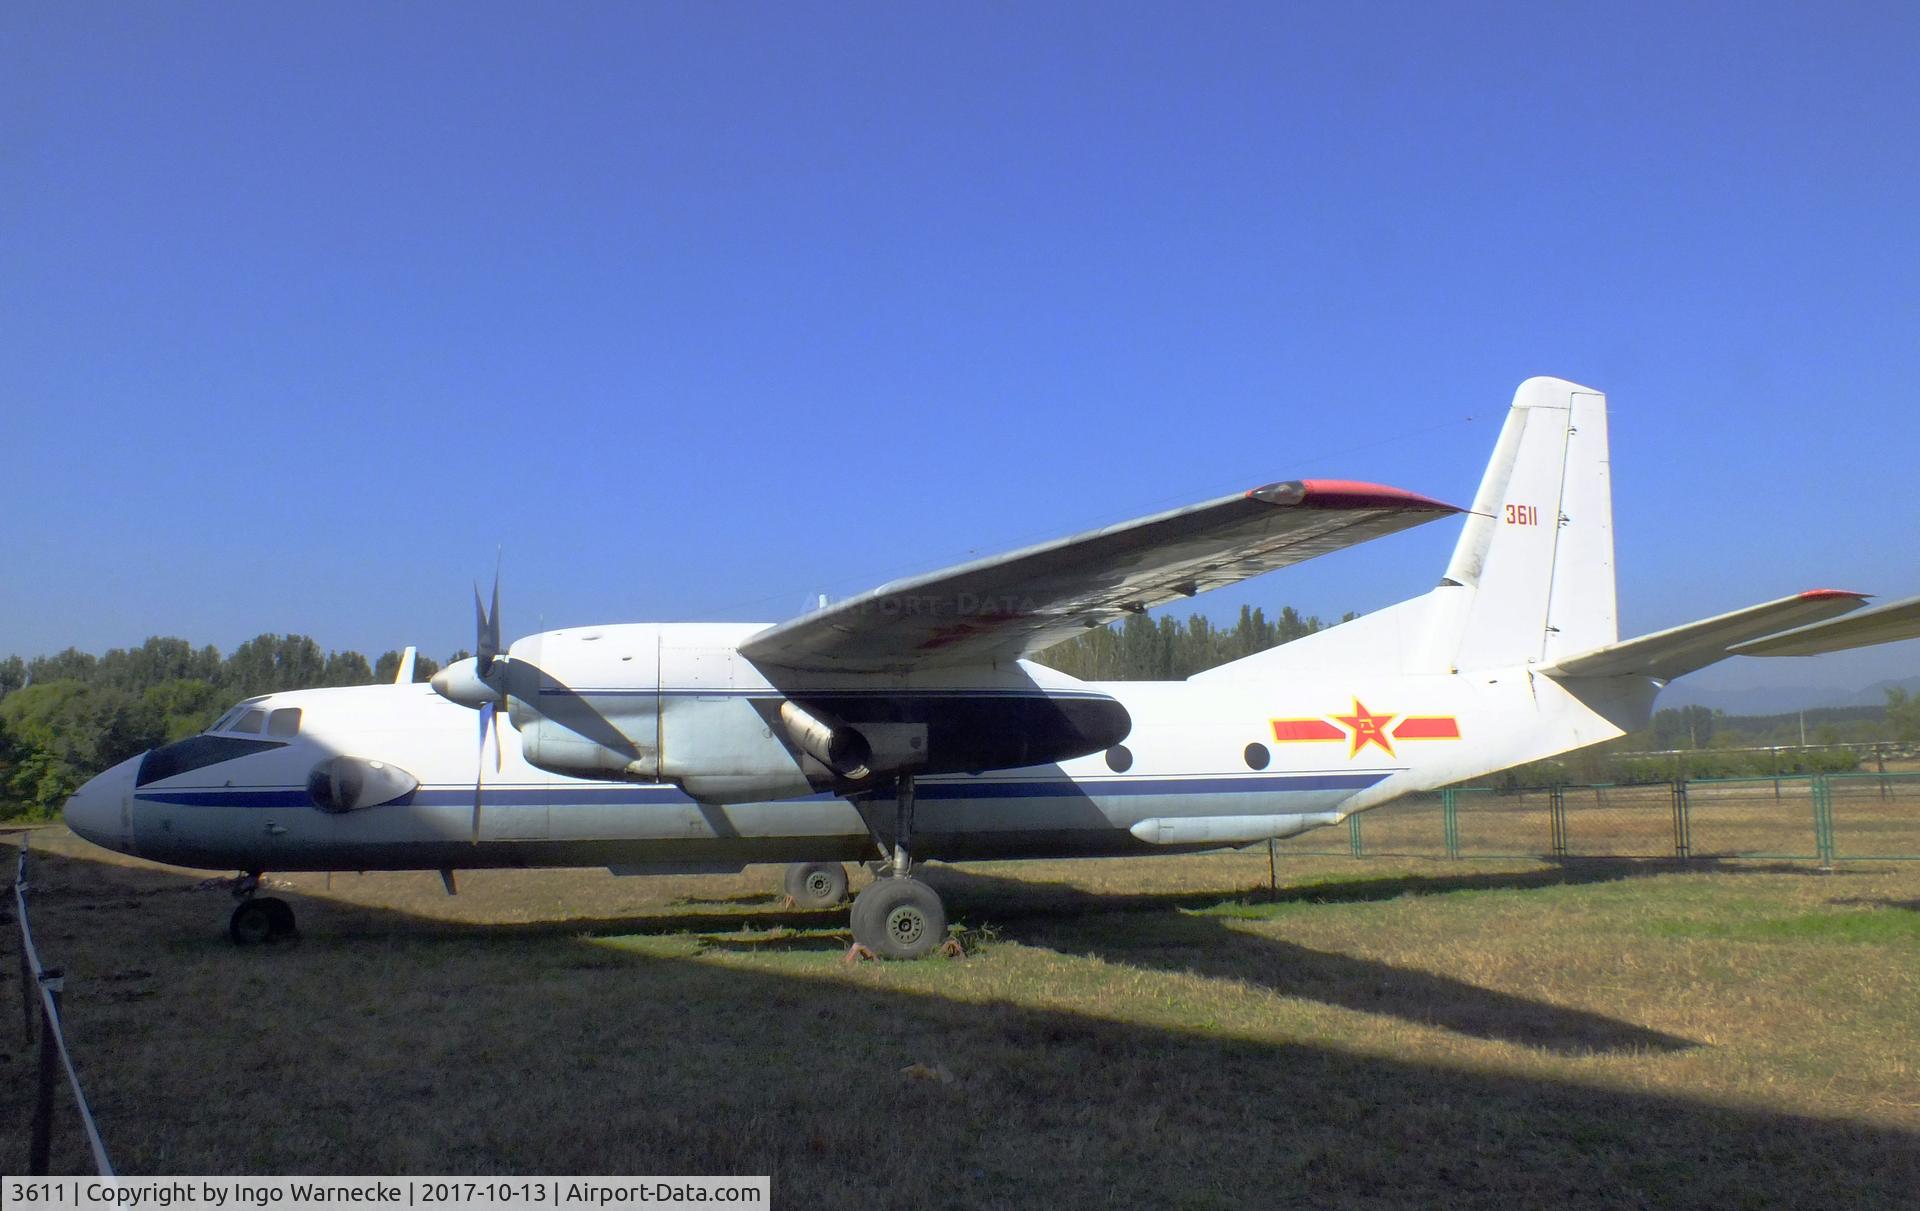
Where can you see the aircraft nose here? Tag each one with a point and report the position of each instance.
(96, 810)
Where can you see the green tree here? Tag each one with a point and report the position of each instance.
(180, 708)
(160, 659)
(70, 665)
(388, 666)
(346, 668)
(13, 675)
(1903, 715)
(1139, 648)
(60, 733)
(269, 663)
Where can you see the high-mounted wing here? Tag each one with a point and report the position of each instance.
(1012, 605)
(1888, 623)
(1668, 654)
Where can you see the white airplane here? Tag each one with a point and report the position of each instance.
(909, 721)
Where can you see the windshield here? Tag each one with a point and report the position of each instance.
(245, 718)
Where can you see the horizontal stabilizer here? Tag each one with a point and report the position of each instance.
(1670, 653)
(1888, 623)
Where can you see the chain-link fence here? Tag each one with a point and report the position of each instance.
(1812, 817)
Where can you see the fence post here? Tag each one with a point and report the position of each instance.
(1823, 820)
(1682, 821)
(27, 997)
(41, 1145)
(1450, 821)
(1557, 819)
(1353, 835)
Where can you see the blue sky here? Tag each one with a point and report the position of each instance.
(699, 310)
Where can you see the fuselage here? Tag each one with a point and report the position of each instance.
(1205, 764)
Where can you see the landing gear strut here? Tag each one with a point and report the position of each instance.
(257, 919)
(899, 917)
(816, 884)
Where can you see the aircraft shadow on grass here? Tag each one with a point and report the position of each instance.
(1175, 939)
(1160, 931)
(657, 1065)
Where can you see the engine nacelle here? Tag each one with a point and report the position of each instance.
(677, 703)
(349, 784)
(559, 749)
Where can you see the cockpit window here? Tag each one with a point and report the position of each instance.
(284, 722)
(249, 722)
(220, 724)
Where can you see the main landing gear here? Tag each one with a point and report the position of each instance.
(816, 884)
(899, 917)
(258, 919)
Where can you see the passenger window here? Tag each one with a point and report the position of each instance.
(250, 722)
(284, 722)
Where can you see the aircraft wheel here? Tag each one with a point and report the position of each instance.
(899, 919)
(260, 920)
(817, 884)
(251, 923)
(281, 914)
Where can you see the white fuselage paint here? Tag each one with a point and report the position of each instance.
(1189, 784)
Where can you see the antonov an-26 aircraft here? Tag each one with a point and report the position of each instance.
(909, 722)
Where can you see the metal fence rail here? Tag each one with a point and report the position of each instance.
(1823, 818)
(47, 983)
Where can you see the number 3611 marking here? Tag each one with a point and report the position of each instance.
(1523, 515)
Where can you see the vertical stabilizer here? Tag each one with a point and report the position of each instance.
(1532, 576)
(1531, 579)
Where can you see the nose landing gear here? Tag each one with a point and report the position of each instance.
(258, 919)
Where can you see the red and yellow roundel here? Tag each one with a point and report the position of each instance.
(1363, 727)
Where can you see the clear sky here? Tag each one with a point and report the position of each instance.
(698, 310)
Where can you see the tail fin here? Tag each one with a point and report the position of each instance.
(1531, 579)
(1535, 561)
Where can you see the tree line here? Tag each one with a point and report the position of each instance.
(66, 717)
(1168, 649)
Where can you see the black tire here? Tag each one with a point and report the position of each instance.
(251, 923)
(899, 919)
(817, 884)
(857, 916)
(281, 914)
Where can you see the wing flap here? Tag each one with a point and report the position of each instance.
(1888, 623)
(1670, 653)
(1012, 605)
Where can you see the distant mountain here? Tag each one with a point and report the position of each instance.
(1779, 699)
(1760, 700)
(1876, 694)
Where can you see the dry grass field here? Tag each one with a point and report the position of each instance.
(1384, 1033)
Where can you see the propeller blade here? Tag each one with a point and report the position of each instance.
(486, 629)
(480, 768)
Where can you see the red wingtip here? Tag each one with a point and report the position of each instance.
(1823, 594)
(1354, 494)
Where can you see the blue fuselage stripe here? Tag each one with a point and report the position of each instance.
(601, 796)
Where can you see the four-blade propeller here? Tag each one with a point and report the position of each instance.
(480, 683)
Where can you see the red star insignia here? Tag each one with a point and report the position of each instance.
(1367, 728)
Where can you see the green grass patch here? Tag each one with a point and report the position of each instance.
(1888, 926)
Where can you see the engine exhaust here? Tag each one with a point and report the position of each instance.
(832, 743)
